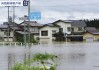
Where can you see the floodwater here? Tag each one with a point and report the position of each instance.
(71, 56)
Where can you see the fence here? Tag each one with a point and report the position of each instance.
(15, 44)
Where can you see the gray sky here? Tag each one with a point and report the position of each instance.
(52, 10)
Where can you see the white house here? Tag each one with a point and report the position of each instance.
(47, 30)
(73, 30)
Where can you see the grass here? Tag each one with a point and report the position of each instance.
(39, 57)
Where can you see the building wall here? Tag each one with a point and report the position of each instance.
(4, 35)
(86, 35)
(10, 39)
(47, 28)
(49, 37)
(64, 26)
(96, 37)
(34, 29)
(1, 34)
(76, 29)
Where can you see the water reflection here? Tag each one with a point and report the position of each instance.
(71, 56)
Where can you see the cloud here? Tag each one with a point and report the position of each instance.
(57, 9)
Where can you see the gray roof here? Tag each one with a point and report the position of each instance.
(50, 24)
(78, 23)
(10, 24)
(31, 23)
(21, 32)
(92, 30)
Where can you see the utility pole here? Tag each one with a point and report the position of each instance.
(29, 54)
(8, 25)
(28, 21)
(13, 23)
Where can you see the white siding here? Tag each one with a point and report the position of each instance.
(64, 26)
(49, 29)
(1, 33)
(10, 39)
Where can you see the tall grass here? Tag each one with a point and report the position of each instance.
(39, 57)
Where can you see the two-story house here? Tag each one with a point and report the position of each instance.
(77, 30)
(33, 27)
(72, 29)
(7, 31)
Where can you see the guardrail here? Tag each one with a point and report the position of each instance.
(16, 44)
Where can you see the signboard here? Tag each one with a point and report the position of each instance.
(35, 15)
(13, 2)
(25, 3)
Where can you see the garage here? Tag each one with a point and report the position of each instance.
(75, 38)
(89, 39)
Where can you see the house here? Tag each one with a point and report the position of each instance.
(34, 28)
(72, 30)
(77, 30)
(5, 33)
(91, 34)
(47, 31)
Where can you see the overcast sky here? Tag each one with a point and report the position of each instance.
(52, 10)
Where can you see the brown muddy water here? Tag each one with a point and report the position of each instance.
(71, 56)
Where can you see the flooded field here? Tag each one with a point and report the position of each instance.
(71, 56)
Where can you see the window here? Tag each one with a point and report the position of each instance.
(6, 33)
(72, 29)
(33, 29)
(60, 29)
(1, 39)
(53, 32)
(79, 29)
(44, 33)
(68, 29)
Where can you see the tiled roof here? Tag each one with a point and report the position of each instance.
(31, 23)
(78, 23)
(50, 24)
(92, 30)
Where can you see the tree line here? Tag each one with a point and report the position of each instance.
(92, 23)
